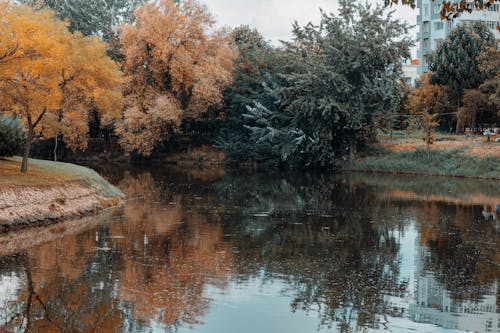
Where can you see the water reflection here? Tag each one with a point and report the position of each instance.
(208, 251)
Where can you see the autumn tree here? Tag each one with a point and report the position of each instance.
(428, 98)
(428, 123)
(176, 71)
(53, 78)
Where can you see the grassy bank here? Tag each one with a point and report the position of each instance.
(43, 173)
(50, 191)
(442, 162)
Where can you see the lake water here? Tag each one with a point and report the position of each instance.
(217, 251)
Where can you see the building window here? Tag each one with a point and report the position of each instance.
(494, 7)
(426, 9)
(426, 26)
(491, 24)
(438, 25)
(426, 43)
(437, 43)
(437, 9)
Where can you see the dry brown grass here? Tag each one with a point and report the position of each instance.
(475, 146)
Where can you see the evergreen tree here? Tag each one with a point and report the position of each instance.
(345, 79)
(455, 62)
(256, 68)
(489, 65)
(12, 136)
(91, 17)
(325, 93)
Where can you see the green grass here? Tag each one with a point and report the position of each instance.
(48, 173)
(440, 162)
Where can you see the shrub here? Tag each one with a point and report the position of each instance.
(12, 136)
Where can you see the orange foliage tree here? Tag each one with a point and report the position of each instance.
(428, 99)
(52, 78)
(176, 70)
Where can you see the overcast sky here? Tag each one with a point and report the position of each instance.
(274, 18)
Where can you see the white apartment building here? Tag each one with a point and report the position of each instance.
(433, 30)
(410, 71)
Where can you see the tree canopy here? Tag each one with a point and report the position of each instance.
(176, 70)
(455, 63)
(91, 17)
(52, 77)
(335, 85)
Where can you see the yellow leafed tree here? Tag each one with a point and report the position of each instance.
(52, 78)
(176, 70)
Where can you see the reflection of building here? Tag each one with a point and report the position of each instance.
(433, 304)
(9, 286)
(433, 30)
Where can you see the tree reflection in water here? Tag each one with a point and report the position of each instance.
(333, 241)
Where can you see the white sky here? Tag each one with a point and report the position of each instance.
(274, 18)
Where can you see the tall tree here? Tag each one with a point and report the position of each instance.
(50, 76)
(345, 78)
(476, 107)
(91, 17)
(429, 98)
(256, 70)
(489, 65)
(455, 64)
(176, 68)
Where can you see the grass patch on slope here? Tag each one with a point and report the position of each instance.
(48, 173)
(446, 162)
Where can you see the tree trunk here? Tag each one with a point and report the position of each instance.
(27, 147)
(352, 150)
(457, 130)
(55, 148)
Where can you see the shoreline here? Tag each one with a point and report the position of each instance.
(413, 173)
(453, 163)
(50, 193)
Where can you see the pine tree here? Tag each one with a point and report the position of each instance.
(255, 72)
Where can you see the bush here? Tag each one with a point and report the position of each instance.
(12, 136)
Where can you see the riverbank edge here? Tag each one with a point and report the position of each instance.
(85, 193)
(451, 163)
(411, 173)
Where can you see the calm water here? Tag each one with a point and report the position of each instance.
(214, 251)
